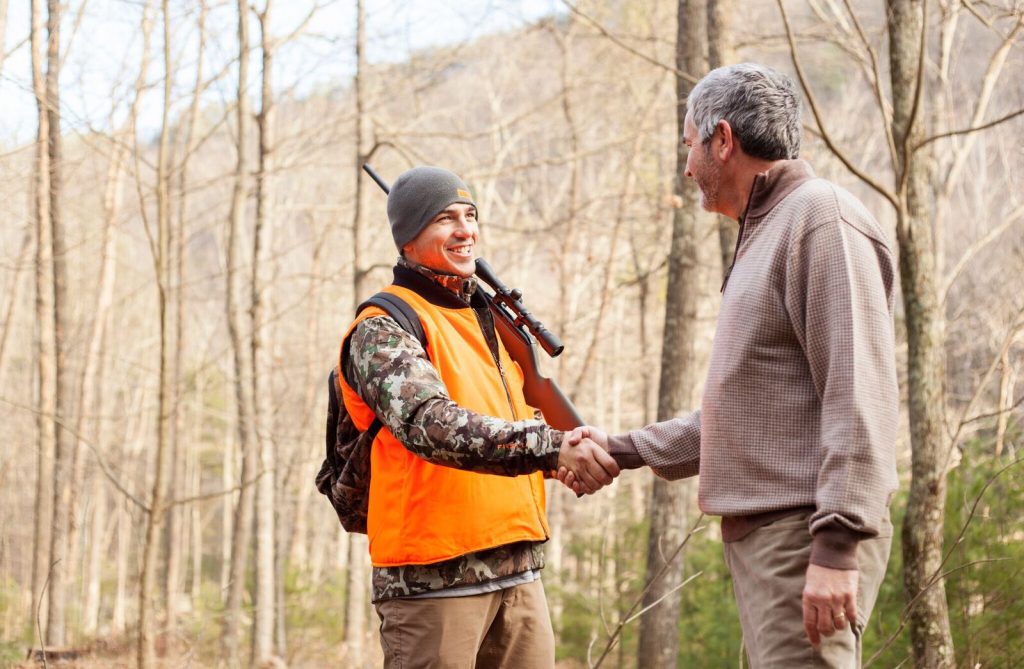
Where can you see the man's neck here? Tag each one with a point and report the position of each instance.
(746, 172)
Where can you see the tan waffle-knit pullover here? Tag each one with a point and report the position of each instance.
(801, 403)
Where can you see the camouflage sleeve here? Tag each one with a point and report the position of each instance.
(392, 373)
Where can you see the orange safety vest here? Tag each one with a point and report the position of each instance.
(421, 513)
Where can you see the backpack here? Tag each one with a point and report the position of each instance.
(345, 473)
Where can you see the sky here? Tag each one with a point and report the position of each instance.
(106, 43)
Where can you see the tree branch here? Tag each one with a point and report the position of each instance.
(622, 45)
(967, 131)
(938, 575)
(876, 84)
(1008, 340)
(972, 250)
(915, 108)
(99, 459)
(813, 102)
(696, 527)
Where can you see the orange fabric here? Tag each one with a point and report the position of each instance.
(421, 513)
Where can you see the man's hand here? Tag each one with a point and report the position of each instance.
(830, 601)
(566, 475)
(583, 465)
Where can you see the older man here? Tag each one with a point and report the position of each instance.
(794, 442)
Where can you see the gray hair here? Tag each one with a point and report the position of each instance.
(761, 105)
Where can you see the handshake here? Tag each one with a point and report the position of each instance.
(584, 464)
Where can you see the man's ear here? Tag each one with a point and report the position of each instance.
(728, 146)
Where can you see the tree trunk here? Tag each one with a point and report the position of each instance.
(683, 359)
(240, 332)
(157, 504)
(94, 557)
(266, 540)
(90, 390)
(923, 525)
(359, 269)
(722, 51)
(55, 631)
(46, 355)
(355, 614)
(175, 538)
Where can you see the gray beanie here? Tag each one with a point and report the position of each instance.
(420, 194)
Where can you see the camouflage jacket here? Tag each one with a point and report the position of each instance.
(392, 373)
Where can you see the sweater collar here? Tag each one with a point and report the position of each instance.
(771, 187)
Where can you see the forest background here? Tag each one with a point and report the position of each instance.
(185, 232)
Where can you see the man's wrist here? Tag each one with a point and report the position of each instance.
(835, 547)
(553, 459)
(622, 448)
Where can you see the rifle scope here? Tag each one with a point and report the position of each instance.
(551, 344)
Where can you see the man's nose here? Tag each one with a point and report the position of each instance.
(464, 224)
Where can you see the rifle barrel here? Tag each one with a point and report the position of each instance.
(378, 178)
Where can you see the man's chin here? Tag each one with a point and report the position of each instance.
(463, 268)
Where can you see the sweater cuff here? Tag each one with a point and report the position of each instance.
(835, 547)
(622, 448)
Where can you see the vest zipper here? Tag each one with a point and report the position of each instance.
(493, 347)
(504, 384)
(495, 353)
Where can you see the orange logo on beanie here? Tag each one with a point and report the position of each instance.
(463, 193)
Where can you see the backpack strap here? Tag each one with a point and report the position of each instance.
(400, 311)
(406, 317)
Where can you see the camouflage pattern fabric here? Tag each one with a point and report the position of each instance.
(467, 570)
(393, 374)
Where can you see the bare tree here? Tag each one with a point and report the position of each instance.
(263, 629)
(240, 331)
(682, 357)
(176, 544)
(55, 631)
(161, 262)
(47, 354)
(355, 614)
(926, 365)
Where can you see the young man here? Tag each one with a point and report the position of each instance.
(457, 508)
(795, 441)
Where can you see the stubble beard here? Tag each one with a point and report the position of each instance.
(709, 180)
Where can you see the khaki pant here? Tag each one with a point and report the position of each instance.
(506, 628)
(768, 570)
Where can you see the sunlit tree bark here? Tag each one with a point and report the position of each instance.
(46, 355)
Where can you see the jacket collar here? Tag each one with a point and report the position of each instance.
(434, 292)
(771, 187)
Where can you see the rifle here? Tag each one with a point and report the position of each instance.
(517, 328)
